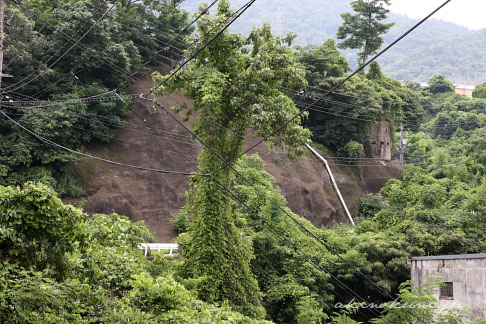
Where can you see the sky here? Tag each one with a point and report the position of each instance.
(468, 13)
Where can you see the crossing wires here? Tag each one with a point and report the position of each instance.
(337, 86)
(38, 72)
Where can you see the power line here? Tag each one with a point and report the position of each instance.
(51, 143)
(158, 53)
(297, 93)
(339, 113)
(236, 15)
(134, 129)
(38, 72)
(114, 139)
(392, 102)
(337, 86)
(111, 64)
(217, 155)
(305, 229)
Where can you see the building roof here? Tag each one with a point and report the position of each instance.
(450, 257)
(457, 86)
(464, 87)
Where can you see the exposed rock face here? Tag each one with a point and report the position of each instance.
(159, 143)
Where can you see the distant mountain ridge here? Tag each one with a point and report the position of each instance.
(437, 47)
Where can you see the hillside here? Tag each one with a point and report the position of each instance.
(156, 198)
(261, 239)
(438, 47)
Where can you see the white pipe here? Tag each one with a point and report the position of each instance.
(334, 184)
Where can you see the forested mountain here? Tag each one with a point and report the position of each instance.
(437, 47)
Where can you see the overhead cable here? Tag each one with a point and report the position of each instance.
(334, 88)
(51, 143)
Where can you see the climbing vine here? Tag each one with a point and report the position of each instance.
(234, 84)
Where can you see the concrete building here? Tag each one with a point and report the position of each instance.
(465, 90)
(380, 146)
(464, 275)
(461, 89)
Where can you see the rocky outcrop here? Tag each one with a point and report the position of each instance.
(152, 139)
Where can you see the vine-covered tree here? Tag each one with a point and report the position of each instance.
(364, 29)
(234, 83)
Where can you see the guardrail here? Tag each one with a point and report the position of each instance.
(171, 247)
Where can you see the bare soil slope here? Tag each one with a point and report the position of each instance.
(150, 139)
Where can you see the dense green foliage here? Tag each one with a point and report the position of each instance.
(480, 91)
(234, 84)
(36, 229)
(105, 277)
(39, 35)
(439, 84)
(297, 287)
(365, 28)
(444, 48)
(348, 115)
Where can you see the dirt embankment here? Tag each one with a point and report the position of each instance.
(152, 139)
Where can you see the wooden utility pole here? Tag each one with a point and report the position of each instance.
(279, 30)
(2, 19)
(402, 142)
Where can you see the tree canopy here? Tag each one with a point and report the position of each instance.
(348, 114)
(365, 29)
(480, 91)
(439, 84)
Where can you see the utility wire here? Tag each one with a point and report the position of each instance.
(134, 128)
(51, 143)
(300, 225)
(340, 113)
(158, 53)
(111, 64)
(337, 86)
(238, 14)
(392, 102)
(114, 139)
(334, 111)
(205, 11)
(297, 93)
(38, 72)
(234, 16)
(213, 178)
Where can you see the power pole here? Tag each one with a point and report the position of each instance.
(279, 20)
(2, 19)
(401, 144)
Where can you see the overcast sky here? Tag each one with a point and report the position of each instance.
(469, 13)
